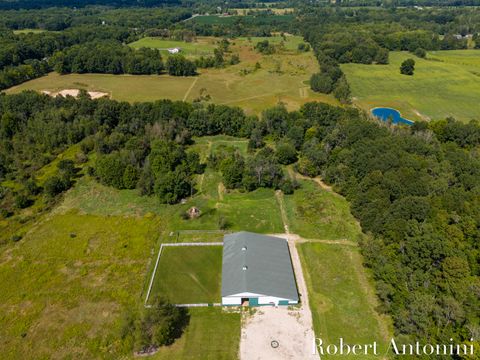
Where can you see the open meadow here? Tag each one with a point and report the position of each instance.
(446, 83)
(202, 46)
(79, 268)
(281, 77)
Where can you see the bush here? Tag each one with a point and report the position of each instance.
(286, 153)
(407, 67)
(55, 185)
(22, 201)
(322, 83)
(158, 325)
(421, 53)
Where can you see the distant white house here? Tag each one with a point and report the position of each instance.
(175, 50)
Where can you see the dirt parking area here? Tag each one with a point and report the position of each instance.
(290, 327)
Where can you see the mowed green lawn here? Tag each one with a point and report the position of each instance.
(341, 298)
(189, 274)
(202, 46)
(447, 83)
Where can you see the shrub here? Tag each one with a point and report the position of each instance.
(407, 67)
(322, 83)
(421, 53)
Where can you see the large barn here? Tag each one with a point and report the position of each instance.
(257, 270)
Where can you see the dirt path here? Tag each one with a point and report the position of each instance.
(190, 89)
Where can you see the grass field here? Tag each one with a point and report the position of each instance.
(202, 46)
(447, 83)
(29, 31)
(341, 297)
(212, 334)
(315, 213)
(281, 78)
(189, 274)
(132, 88)
(230, 20)
(66, 284)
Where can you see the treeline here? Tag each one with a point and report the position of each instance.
(39, 4)
(414, 190)
(107, 57)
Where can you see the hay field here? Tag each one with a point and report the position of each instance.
(202, 46)
(446, 83)
(282, 77)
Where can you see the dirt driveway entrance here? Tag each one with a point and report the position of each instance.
(290, 328)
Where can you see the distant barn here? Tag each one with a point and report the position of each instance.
(257, 270)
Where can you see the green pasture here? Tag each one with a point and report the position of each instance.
(203, 46)
(211, 334)
(341, 298)
(316, 213)
(290, 41)
(248, 19)
(446, 83)
(66, 284)
(189, 274)
(131, 88)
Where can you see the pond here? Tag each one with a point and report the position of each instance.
(388, 113)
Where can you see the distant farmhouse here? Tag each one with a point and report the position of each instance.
(174, 50)
(257, 270)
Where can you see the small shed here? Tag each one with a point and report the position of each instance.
(257, 270)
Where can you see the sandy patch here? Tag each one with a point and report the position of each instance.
(75, 93)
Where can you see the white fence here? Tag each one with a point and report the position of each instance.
(158, 260)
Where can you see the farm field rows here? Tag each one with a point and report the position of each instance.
(281, 78)
(444, 84)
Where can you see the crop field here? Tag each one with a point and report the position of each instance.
(276, 11)
(230, 20)
(446, 83)
(281, 78)
(201, 46)
(341, 297)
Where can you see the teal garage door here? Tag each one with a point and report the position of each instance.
(253, 301)
(283, 302)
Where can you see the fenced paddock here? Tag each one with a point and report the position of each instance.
(188, 274)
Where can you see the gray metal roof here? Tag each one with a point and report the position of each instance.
(268, 265)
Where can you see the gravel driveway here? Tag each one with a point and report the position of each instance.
(290, 328)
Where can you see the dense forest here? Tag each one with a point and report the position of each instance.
(415, 190)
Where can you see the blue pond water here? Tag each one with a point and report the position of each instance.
(387, 113)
